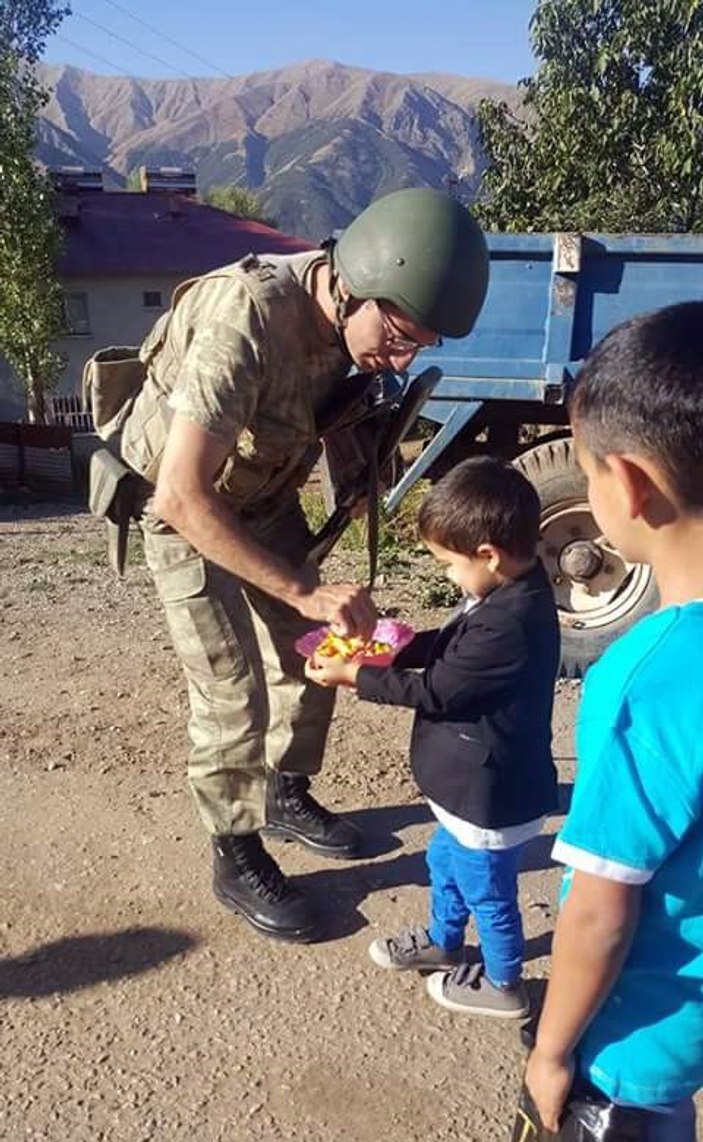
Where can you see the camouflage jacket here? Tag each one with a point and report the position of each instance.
(240, 353)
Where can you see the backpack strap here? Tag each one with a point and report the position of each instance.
(379, 447)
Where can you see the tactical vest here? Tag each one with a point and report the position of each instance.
(277, 449)
(298, 399)
(130, 389)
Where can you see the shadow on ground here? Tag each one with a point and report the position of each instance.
(536, 991)
(81, 961)
(338, 891)
(379, 825)
(564, 793)
(537, 854)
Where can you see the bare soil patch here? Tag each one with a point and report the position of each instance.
(134, 1007)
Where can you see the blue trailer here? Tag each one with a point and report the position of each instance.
(551, 298)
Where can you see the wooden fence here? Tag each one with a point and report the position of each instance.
(69, 411)
(39, 457)
(48, 458)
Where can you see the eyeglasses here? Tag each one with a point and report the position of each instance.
(398, 342)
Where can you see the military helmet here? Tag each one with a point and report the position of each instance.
(422, 251)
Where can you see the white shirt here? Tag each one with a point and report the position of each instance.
(474, 837)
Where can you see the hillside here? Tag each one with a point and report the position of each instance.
(316, 140)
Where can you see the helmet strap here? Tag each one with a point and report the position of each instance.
(341, 303)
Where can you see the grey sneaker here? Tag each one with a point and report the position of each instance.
(467, 989)
(412, 950)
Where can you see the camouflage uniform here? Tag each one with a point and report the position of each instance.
(240, 354)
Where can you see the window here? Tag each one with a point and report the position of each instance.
(75, 314)
(152, 299)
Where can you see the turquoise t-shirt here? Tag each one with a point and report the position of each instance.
(637, 817)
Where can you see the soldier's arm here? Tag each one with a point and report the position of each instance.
(186, 499)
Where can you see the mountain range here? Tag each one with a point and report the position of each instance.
(315, 141)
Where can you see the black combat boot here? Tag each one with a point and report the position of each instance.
(248, 880)
(293, 814)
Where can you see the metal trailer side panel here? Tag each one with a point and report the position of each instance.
(551, 298)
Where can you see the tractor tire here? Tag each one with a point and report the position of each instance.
(599, 595)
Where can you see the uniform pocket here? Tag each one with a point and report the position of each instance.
(199, 620)
(182, 580)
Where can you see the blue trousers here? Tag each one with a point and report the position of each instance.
(481, 883)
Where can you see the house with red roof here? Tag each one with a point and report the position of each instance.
(125, 252)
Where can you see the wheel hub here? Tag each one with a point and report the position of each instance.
(581, 560)
(593, 585)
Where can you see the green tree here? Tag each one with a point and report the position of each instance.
(237, 200)
(134, 181)
(30, 236)
(610, 135)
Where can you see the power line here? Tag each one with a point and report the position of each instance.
(103, 163)
(130, 44)
(135, 47)
(87, 51)
(168, 39)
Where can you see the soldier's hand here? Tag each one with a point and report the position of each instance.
(348, 608)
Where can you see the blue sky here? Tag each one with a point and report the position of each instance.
(228, 37)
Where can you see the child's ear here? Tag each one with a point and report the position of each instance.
(490, 555)
(633, 481)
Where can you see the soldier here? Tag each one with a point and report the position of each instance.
(225, 429)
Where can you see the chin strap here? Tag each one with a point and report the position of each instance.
(341, 303)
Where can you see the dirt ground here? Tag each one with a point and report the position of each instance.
(134, 1007)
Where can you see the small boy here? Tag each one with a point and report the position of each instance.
(624, 1007)
(481, 739)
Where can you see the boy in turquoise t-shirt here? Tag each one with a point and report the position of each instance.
(624, 1006)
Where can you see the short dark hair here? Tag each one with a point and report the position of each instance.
(482, 500)
(641, 391)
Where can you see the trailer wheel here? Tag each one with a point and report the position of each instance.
(598, 593)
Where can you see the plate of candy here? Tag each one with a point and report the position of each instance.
(389, 636)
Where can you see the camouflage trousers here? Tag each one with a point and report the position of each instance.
(251, 707)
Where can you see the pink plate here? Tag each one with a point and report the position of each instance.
(386, 630)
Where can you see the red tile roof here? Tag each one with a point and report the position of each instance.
(123, 233)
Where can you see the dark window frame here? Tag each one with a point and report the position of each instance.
(76, 325)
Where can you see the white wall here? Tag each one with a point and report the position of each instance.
(117, 316)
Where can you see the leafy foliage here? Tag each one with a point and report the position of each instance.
(438, 591)
(397, 535)
(237, 200)
(611, 134)
(30, 237)
(133, 182)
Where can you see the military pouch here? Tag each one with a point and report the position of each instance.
(112, 378)
(114, 494)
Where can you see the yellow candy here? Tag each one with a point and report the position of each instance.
(336, 646)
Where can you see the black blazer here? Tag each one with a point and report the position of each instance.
(481, 739)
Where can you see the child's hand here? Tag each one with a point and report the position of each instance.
(548, 1081)
(331, 671)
